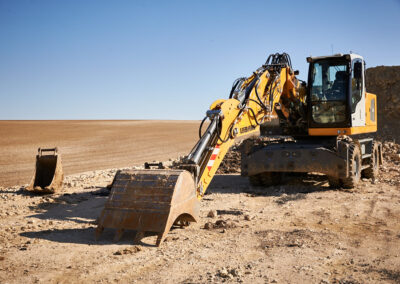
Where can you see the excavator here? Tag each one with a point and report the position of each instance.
(324, 120)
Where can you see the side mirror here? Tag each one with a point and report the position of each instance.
(297, 72)
(358, 70)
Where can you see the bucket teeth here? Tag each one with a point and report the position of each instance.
(98, 232)
(118, 235)
(138, 237)
(149, 201)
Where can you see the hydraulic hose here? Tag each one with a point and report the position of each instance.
(219, 132)
(254, 115)
(201, 126)
(257, 103)
(258, 97)
(235, 84)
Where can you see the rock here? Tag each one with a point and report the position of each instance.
(130, 250)
(248, 217)
(170, 239)
(223, 272)
(219, 224)
(212, 214)
(208, 225)
(236, 272)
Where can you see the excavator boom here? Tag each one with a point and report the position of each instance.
(152, 200)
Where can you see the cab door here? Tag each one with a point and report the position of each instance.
(357, 93)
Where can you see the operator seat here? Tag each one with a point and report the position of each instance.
(339, 85)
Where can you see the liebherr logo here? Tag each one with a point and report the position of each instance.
(247, 129)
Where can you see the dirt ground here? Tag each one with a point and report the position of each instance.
(299, 232)
(90, 145)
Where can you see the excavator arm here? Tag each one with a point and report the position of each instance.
(252, 102)
(152, 200)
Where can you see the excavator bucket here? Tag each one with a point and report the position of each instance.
(48, 176)
(149, 201)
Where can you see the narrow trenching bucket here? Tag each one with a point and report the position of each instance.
(48, 176)
(149, 201)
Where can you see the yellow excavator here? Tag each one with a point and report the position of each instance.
(323, 119)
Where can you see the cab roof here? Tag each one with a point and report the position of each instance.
(348, 56)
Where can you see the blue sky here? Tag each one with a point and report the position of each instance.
(98, 59)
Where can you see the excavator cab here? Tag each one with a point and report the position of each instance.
(337, 101)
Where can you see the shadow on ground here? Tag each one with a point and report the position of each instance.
(83, 208)
(87, 236)
(291, 184)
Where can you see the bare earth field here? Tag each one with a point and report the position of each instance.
(299, 232)
(90, 145)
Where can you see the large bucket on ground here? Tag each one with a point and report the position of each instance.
(149, 201)
(48, 176)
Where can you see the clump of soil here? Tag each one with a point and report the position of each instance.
(131, 250)
(220, 224)
(286, 198)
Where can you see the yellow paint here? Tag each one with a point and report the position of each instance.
(368, 99)
(217, 103)
(243, 120)
(341, 131)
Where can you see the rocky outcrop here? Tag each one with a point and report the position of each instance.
(384, 81)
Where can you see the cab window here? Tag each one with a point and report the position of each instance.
(357, 83)
(329, 85)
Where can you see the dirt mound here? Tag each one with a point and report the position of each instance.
(384, 81)
(390, 170)
(391, 152)
(231, 162)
